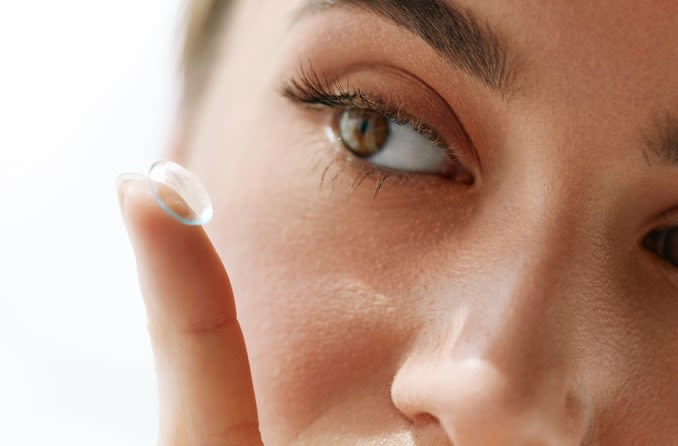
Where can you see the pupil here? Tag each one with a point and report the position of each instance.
(363, 128)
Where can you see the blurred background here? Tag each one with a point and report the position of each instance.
(88, 89)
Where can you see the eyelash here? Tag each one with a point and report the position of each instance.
(312, 90)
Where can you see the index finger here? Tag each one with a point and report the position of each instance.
(205, 387)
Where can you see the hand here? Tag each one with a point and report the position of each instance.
(205, 388)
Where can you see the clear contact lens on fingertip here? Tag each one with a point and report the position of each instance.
(180, 193)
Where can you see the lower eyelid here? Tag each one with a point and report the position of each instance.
(333, 163)
(659, 269)
(359, 171)
(331, 171)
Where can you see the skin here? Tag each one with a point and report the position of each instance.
(522, 310)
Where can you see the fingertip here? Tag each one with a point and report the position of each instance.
(175, 261)
(122, 182)
(174, 189)
(146, 204)
(144, 216)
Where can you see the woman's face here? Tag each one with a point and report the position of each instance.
(447, 223)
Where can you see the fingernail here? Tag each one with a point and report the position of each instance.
(122, 180)
(180, 193)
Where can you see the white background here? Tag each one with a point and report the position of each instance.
(87, 90)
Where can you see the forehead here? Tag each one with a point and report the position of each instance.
(608, 49)
(603, 37)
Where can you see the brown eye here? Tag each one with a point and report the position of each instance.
(664, 244)
(363, 132)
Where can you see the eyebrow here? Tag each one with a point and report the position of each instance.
(662, 142)
(454, 33)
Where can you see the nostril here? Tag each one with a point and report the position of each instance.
(425, 419)
(428, 430)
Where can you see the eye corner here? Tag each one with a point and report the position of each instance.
(662, 243)
(652, 240)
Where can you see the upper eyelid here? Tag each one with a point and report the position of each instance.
(310, 89)
(398, 116)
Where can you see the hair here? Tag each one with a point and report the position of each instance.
(204, 21)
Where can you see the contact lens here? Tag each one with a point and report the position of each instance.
(180, 194)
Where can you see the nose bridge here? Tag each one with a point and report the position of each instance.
(522, 293)
(527, 296)
(528, 291)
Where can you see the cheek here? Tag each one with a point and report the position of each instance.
(322, 328)
(318, 341)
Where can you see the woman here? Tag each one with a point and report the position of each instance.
(444, 223)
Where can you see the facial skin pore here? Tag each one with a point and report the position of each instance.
(520, 309)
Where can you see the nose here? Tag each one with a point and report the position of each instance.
(500, 371)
